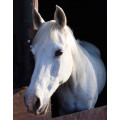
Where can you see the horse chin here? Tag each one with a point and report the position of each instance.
(42, 110)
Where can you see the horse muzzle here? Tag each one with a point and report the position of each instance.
(34, 105)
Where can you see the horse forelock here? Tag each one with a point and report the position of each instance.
(50, 30)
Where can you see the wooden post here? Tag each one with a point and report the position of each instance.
(29, 33)
(18, 76)
(23, 33)
(35, 4)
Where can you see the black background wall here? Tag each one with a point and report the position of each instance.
(87, 19)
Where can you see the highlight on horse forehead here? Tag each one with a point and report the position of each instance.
(50, 30)
(45, 31)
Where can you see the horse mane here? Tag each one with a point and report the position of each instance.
(44, 31)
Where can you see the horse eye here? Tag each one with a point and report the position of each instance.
(58, 52)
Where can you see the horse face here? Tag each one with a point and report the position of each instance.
(53, 62)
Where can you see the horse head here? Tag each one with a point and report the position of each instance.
(53, 60)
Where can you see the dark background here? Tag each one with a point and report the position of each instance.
(87, 19)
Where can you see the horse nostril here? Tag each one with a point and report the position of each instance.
(37, 104)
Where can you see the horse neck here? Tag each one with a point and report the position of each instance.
(80, 65)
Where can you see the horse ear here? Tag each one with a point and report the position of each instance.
(60, 17)
(38, 20)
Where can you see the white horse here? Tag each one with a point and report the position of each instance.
(60, 59)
